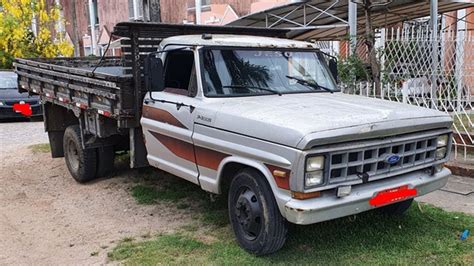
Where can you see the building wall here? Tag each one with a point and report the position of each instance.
(81, 21)
(109, 13)
(175, 11)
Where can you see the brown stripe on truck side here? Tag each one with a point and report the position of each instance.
(201, 156)
(179, 147)
(161, 116)
(209, 158)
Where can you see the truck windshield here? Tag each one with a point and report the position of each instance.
(229, 72)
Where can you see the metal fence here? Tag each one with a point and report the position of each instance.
(413, 74)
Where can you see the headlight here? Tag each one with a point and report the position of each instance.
(313, 178)
(314, 171)
(1, 103)
(442, 141)
(314, 163)
(440, 153)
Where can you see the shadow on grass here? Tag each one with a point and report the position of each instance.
(424, 235)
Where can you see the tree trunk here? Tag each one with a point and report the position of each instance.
(370, 44)
(75, 30)
(155, 15)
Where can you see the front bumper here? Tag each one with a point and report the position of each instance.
(329, 206)
(8, 112)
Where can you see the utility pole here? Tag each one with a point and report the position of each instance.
(435, 41)
(352, 27)
(136, 6)
(197, 4)
(92, 21)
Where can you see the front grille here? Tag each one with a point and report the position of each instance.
(349, 165)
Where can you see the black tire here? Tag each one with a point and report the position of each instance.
(253, 212)
(81, 163)
(105, 160)
(396, 209)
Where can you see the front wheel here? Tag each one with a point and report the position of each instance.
(256, 220)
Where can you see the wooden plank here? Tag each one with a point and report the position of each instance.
(91, 81)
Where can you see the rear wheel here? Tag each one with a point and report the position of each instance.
(256, 220)
(397, 208)
(81, 162)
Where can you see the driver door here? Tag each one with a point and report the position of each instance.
(168, 126)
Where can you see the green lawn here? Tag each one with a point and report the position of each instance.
(425, 235)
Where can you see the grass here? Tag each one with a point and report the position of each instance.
(168, 189)
(40, 148)
(463, 120)
(425, 235)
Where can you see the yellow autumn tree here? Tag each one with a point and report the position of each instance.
(18, 18)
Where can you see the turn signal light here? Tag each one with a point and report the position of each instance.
(281, 176)
(303, 196)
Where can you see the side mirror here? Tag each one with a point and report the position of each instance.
(153, 73)
(333, 69)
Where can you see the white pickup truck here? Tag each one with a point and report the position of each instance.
(259, 119)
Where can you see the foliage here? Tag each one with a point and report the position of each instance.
(17, 38)
(352, 69)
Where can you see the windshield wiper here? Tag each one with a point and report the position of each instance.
(309, 84)
(252, 87)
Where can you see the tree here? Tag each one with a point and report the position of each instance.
(26, 30)
(367, 5)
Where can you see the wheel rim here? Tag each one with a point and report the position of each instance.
(73, 155)
(248, 212)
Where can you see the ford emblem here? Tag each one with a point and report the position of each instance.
(392, 159)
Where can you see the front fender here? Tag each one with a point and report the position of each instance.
(282, 196)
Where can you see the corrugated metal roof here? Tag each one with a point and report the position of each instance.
(331, 25)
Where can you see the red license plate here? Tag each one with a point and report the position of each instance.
(392, 195)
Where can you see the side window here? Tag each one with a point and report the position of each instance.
(180, 73)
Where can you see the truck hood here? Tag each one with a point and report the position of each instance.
(299, 120)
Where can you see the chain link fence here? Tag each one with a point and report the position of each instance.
(412, 74)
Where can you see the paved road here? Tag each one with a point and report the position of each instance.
(457, 195)
(13, 134)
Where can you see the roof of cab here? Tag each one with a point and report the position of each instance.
(236, 40)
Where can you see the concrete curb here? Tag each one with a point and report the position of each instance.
(461, 169)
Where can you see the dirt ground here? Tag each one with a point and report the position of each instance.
(47, 218)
